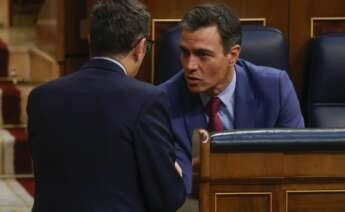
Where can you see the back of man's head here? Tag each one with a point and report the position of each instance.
(205, 15)
(116, 26)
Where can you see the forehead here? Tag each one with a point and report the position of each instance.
(206, 37)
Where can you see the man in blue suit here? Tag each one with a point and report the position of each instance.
(101, 140)
(217, 90)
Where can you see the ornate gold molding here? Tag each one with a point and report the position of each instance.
(247, 20)
(306, 191)
(12, 126)
(313, 21)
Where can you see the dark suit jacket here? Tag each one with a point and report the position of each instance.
(102, 141)
(264, 98)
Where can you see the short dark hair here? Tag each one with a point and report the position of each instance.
(220, 15)
(116, 26)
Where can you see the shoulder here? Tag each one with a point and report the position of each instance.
(175, 82)
(175, 87)
(51, 86)
(259, 72)
(151, 102)
(260, 77)
(142, 89)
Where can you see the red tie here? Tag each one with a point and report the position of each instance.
(214, 123)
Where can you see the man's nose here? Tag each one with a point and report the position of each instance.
(191, 63)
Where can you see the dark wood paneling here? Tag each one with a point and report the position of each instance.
(144, 73)
(5, 13)
(71, 47)
(60, 28)
(266, 165)
(276, 12)
(244, 202)
(316, 201)
(74, 13)
(73, 64)
(301, 12)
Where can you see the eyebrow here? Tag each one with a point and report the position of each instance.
(205, 51)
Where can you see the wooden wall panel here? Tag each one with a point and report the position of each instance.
(315, 201)
(301, 12)
(60, 29)
(5, 13)
(243, 201)
(74, 13)
(276, 12)
(72, 49)
(72, 64)
(46, 28)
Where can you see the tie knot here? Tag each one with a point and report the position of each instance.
(214, 104)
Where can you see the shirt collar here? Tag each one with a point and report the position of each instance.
(113, 61)
(226, 96)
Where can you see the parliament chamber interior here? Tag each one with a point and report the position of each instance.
(272, 170)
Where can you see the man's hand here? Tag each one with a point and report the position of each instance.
(178, 168)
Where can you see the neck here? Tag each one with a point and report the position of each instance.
(129, 65)
(219, 87)
(126, 61)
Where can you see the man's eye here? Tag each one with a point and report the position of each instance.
(202, 54)
(184, 52)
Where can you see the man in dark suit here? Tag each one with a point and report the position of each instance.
(218, 91)
(101, 140)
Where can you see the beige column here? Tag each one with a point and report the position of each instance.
(5, 13)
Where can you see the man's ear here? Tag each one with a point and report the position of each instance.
(139, 50)
(234, 54)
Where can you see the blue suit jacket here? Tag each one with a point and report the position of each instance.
(102, 141)
(264, 98)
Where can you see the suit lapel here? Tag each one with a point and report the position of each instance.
(194, 113)
(245, 102)
(245, 108)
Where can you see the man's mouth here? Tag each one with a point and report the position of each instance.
(191, 80)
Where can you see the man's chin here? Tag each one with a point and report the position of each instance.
(195, 88)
